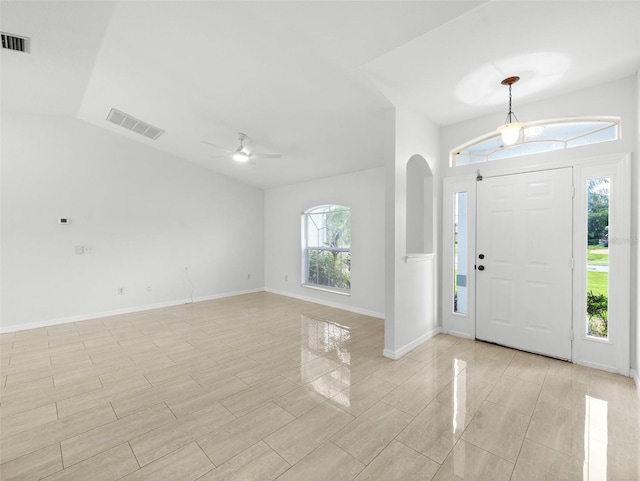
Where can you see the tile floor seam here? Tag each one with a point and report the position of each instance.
(584, 461)
(553, 448)
(172, 412)
(134, 456)
(164, 455)
(90, 457)
(499, 455)
(440, 466)
(337, 447)
(364, 465)
(227, 410)
(277, 454)
(264, 440)
(138, 434)
(515, 463)
(61, 457)
(415, 450)
(287, 410)
(414, 415)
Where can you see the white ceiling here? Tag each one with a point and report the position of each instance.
(308, 79)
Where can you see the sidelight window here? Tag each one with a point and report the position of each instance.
(598, 257)
(460, 247)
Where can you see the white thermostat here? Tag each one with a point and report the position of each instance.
(64, 220)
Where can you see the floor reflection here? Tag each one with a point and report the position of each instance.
(596, 428)
(459, 390)
(330, 341)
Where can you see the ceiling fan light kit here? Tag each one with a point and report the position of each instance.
(241, 154)
(510, 130)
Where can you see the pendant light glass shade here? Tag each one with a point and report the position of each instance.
(510, 130)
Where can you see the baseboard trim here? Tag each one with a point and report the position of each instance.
(636, 378)
(464, 335)
(335, 305)
(601, 367)
(398, 353)
(127, 310)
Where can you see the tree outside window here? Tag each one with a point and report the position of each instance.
(326, 232)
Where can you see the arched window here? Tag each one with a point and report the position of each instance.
(537, 137)
(326, 248)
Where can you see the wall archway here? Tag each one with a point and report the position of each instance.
(420, 203)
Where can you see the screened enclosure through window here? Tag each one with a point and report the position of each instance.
(326, 248)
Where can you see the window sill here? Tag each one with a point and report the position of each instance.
(418, 257)
(341, 292)
(601, 340)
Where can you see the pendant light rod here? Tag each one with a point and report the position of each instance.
(510, 131)
(510, 81)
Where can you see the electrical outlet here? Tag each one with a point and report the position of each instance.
(89, 249)
(79, 249)
(120, 291)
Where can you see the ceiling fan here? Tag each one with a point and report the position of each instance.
(241, 153)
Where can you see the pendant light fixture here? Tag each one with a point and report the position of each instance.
(510, 131)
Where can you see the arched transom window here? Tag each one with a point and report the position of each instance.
(538, 137)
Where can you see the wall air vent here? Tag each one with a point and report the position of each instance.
(131, 123)
(15, 42)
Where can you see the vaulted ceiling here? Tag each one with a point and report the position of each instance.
(310, 80)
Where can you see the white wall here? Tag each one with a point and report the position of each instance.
(412, 290)
(148, 215)
(635, 247)
(617, 98)
(363, 192)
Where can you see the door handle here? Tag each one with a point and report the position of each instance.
(481, 256)
(480, 268)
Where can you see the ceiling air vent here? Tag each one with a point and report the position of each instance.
(131, 123)
(15, 42)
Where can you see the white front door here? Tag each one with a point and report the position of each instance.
(524, 261)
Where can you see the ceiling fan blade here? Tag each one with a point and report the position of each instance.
(266, 156)
(217, 146)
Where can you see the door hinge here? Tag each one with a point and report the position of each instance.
(573, 263)
(573, 192)
(571, 335)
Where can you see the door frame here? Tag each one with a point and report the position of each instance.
(464, 325)
(454, 323)
(554, 340)
(612, 354)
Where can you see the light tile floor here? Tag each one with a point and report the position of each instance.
(263, 387)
